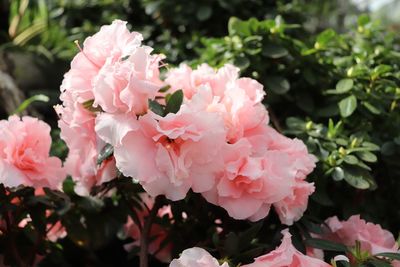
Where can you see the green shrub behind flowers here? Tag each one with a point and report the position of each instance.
(340, 94)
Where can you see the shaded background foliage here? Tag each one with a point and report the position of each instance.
(332, 80)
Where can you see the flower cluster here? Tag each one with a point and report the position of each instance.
(113, 72)
(209, 132)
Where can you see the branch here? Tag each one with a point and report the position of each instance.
(275, 121)
(13, 245)
(144, 237)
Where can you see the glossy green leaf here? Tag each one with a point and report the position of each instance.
(347, 106)
(105, 153)
(174, 102)
(274, 51)
(326, 245)
(277, 84)
(344, 85)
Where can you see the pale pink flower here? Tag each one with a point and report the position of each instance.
(237, 100)
(250, 185)
(261, 167)
(158, 234)
(24, 154)
(84, 148)
(292, 207)
(286, 255)
(196, 257)
(127, 85)
(264, 169)
(113, 42)
(371, 236)
(167, 155)
(112, 73)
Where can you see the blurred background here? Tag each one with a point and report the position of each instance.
(37, 36)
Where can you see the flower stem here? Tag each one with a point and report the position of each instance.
(144, 238)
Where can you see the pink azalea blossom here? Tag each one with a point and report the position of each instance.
(262, 168)
(237, 100)
(24, 154)
(112, 73)
(250, 185)
(196, 257)
(372, 237)
(168, 155)
(286, 255)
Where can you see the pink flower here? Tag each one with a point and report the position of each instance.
(292, 207)
(237, 100)
(112, 73)
(196, 257)
(264, 169)
(84, 147)
(111, 43)
(158, 234)
(261, 167)
(249, 185)
(286, 255)
(24, 154)
(167, 155)
(371, 236)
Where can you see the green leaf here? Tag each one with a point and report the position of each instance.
(388, 148)
(68, 185)
(231, 244)
(246, 237)
(379, 263)
(242, 62)
(370, 146)
(27, 102)
(350, 159)
(277, 84)
(237, 26)
(204, 13)
(324, 38)
(344, 85)
(367, 156)
(164, 89)
(363, 20)
(338, 174)
(89, 106)
(380, 70)
(274, 51)
(390, 255)
(156, 107)
(105, 153)
(358, 178)
(347, 106)
(326, 245)
(371, 108)
(174, 102)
